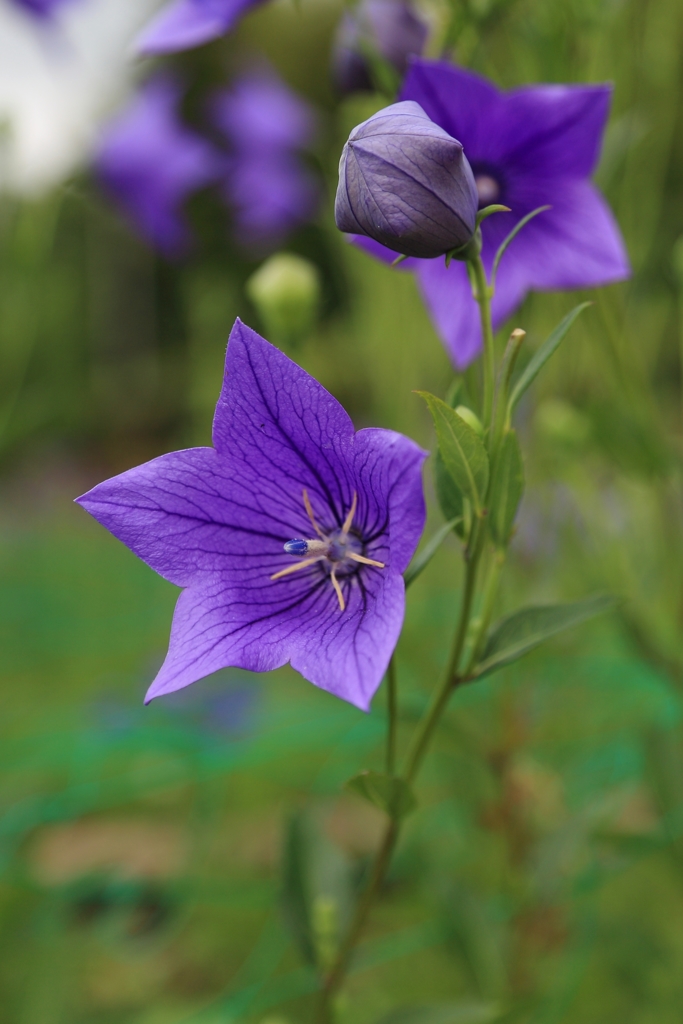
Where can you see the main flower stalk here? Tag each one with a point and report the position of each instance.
(457, 671)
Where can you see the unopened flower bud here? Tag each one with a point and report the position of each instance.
(389, 29)
(404, 182)
(286, 292)
(471, 419)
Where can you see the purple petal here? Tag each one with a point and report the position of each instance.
(260, 114)
(346, 654)
(576, 244)
(185, 24)
(460, 102)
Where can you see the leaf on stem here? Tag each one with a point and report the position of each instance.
(297, 898)
(523, 630)
(446, 1013)
(462, 450)
(425, 555)
(513, 234)
(544, 353)
(488, 210)
(392, 795)
(455, 508)
(506, 489)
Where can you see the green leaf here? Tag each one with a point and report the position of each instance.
(392, 795)
(513, 234)
(544, 353)
(297, 896)
(454, 507)
(488, 210)
(529, 627)
(446, 1013)
(425, 555)
(463, 452)
(506, 489)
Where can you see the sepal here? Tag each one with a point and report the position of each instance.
(392, 795)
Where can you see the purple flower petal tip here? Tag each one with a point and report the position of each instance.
(529, 147)
(184, 24)
(286, 465)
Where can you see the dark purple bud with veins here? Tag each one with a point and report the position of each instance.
(406, 183)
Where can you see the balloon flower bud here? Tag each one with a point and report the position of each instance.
(404, 182)
(386, 29)
(286, 293)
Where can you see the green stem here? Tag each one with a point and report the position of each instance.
(452, 678)
(483, 296)
(490, 594)
(392, 716)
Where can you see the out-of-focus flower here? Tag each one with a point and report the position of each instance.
(57, 85)
(230, 524)
(184, 24)
(527, 148)
(151, 163)
(389, 29)
(267, 186)
(40, 8)
(405, 183)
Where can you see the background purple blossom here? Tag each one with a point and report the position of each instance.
(184, 24)
(527, 148)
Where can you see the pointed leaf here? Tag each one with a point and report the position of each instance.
(446, 1013)
(544, 353)
(529, 627)
(392, 795)
(454, 507)
(506, 489)
(425, 555)
(297, 896)
(463, 452)
(513, 234)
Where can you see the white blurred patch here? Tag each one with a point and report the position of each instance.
(58, 79)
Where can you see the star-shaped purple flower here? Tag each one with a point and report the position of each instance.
(151, 163)
(290, 535)
(527, 148)
(184, 24)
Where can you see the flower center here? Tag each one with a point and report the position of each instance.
(338, 550)
(488, 189)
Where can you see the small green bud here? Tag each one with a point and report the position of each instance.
(286, 293)
(470, 418)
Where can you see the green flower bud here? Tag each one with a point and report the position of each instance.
(470, 418)
(286, 293)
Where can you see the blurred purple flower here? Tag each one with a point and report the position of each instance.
(406, 183)
(267, 186)
(390, 28)
(151, 163)
(527, 148)
(41, 8)
(229, 524)
(184, 24)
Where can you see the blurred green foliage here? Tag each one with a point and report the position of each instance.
(141, 849)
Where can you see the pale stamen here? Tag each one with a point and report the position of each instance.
(311, 516)
(364, 560)
(338, 590)
(295, 568)
(349, 519)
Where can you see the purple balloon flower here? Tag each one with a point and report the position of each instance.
(267, 186)
(184, 24)
(290, 535)
(405, 183)
(151, 163)
(527, 148)
(389, 27)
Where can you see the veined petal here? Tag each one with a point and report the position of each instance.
(345, 654)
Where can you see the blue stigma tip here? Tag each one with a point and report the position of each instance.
(296, 547)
